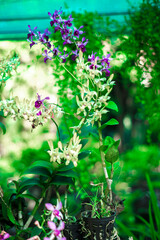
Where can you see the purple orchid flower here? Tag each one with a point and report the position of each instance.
(44, 37)
(64, 56)
(67, 40)
(31, 33)
(57, 28)
(65, 32)
(77, 32)
(45, 54)
(92, 57)
(30, 36)
(82, 45)
(93, 66)
(54, 17)
(105, 60)
(75, 55)
(56, 231)
(107, 72)
(40, 101)
(68, 22)
(55, 210)
(55, 51)
(4, 235)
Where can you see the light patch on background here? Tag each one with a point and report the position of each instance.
(127, 122)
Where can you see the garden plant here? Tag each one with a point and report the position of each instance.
(90, 102)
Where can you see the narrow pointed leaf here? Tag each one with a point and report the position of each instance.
(112, 121)
(11, 217)
(84, 154)
(65, 167)
(44, 164)
(28, 183)
(27, 196)
(69, 173)
(61, 180)
(42, 171)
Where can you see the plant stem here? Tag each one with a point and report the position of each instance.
(108, 181)
(34, 211)
(65, 201)
(112, 171)
(67, 126)
(57, 129)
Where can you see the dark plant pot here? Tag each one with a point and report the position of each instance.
(95, 228)
(73, 231)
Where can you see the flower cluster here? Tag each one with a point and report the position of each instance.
(34, 112)
(56, 231)
(68, 153)
(69, 33)
(92, 103)
(94, 67)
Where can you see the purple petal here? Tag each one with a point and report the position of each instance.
(49, 14)
(49, 206)
(51, 225)
(46, 238)
(46, 98)
(6, 235)
(39, 113)
(39, 98)
(33, 43)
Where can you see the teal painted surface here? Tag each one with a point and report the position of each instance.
(15, 15)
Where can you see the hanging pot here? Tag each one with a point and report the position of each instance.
(72, 231)
(97, 229)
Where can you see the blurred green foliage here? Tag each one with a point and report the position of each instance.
(142, 50)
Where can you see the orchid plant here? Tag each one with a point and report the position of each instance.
(94, 84)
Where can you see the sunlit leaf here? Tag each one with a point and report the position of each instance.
(112, 105)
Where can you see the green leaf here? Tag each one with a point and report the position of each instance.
(112, 153)
(112, 105)
(95, 135)
(45, 164)
(112, 121)
(27, 196)
(11, 216)
(3, 127)
(61, 180)
(42, 171)
(154, 203)
(84, 142)
(66, 167)
(108, 141)
(28, 183)
(84, 154)
(70, 173)
(152, 228)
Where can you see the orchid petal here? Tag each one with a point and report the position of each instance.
(61, 226)
(6, 235)
(59, 205)
(49, 206)
(51, 225)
